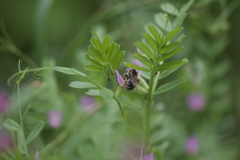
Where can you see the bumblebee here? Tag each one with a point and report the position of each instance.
(130, 79)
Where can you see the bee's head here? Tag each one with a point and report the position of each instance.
(133, 72)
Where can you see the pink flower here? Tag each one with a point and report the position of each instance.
(5, 141)
(55, 118)
(192, 145)
(4, 103)
(148, 157)
(88, 104)
(119, 78)
(196, 101)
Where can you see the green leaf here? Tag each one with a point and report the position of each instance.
(82, 85)
(135, 66)
(179, 20)
(173, 64)
(70, 71)
(186, 6)
(170, 54)
(93, 92)
(106, 43)
(112, 51)
(129, 103)
(106, 93)
(169, 8)
(146, 75)
(155, 34)
(118, 59)
(93, 68)
(11, 125)
(169, 47)
(168, 86)
(143, 59)
(167, 72)
(171, 35)
(96, 44)
(144, 49)
(34, 133)
(161, 21)
(180, 38)
(95, 54)
(151, 42)
(93, 62)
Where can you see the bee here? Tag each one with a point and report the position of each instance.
(130, 79)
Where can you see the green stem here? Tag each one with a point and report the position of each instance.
(120, 107)
(21, 119)
(148, 109)
(114, 83)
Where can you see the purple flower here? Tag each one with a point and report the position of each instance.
(148, 157)
(196, 101)
(5, 141)
(138, 63)
(4, 103)
(119, 78)
(37, 156)
(192, 145)
(55, 118)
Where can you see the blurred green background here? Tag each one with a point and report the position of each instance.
(57, 32)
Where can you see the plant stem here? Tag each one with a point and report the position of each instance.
(114, 83)
(121, 108)
(21, 120)
(148, 109)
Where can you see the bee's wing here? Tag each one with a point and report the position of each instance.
(134, 80)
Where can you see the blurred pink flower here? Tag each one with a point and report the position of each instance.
(55, 118)
(5, 141)
(138, 63)
(119, 78)
(148, 157)
(37, 155)
(4, 103)
(196, 101)
(192, 145)
(89, 104)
